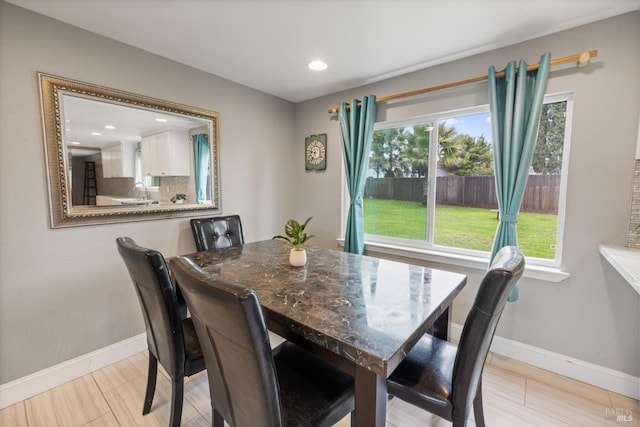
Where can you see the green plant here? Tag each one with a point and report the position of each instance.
(295, 233)
(177, 197)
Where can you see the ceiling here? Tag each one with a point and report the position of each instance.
(93, 124)
(267, 44)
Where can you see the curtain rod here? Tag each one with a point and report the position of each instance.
(581, 58)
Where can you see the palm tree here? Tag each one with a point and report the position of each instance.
(449, 147)
(417, 151)
(418, 155)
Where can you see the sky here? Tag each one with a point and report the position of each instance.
(474, 125)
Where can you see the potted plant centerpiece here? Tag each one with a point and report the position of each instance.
(296, 236)
(179, 198)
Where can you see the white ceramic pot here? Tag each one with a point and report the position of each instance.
(297, 258)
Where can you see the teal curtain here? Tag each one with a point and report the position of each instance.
(515, 101)
(356, 126)
(201, 165)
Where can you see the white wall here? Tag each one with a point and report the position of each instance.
(638, 146)
(594, 315)
(65, 292)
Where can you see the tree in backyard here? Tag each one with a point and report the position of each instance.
(449, 147)
(417, 153)
(476, 158)
(417, 149)
(387, 152)
(547, 156)
(377, 162)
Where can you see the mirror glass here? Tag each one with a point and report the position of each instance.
(115, 156)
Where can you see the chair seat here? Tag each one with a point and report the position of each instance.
(312, 393)
(424, 377)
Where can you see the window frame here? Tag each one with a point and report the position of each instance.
(546, 269)
(151, 183)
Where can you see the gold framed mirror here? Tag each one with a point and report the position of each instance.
(115, 156)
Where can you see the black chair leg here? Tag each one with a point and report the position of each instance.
(151, 384)
(478, 411)
(176, 402)
(216, 419)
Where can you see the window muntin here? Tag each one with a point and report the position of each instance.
(459, 213)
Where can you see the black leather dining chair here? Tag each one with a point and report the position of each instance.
(445, 379)
(217, 232)
(249, 383)
(171, 338)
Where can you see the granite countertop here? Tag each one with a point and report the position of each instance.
(367, 310)
(626, 261)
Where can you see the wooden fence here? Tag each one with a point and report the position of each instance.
(541, 194)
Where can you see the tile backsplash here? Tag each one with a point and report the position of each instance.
(633, 234)
(125, 187)
(169, 186)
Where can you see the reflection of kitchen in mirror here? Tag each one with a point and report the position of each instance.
(119, 155)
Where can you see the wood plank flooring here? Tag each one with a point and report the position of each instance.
(515, 394)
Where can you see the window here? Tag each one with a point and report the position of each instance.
(431, 184)
(149, 182)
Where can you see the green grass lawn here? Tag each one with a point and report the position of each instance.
(458, 227)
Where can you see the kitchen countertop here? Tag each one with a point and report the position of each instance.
(626, 261)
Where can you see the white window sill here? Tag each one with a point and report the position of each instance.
(540, 272)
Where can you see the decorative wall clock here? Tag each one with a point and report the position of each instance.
(315, 152)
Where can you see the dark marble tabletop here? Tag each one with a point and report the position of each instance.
(367, 310)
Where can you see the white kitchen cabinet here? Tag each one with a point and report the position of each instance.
(166, 154)
(118, 160)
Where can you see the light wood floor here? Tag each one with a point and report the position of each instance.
(515, 394)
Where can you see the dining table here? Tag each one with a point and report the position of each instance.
(359, 313)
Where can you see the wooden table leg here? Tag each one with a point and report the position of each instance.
(440, 328)
(370, 399)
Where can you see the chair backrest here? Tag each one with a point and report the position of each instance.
(217, 232)
(235, 344)
(480, 326)
(157, 297)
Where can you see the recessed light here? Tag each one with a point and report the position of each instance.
(317, 65)
(161, 120)
(96, 133)
(109, 127)
(74, 143)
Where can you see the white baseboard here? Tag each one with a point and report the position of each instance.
(41, 381)
(577, 369)
(38, 382)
